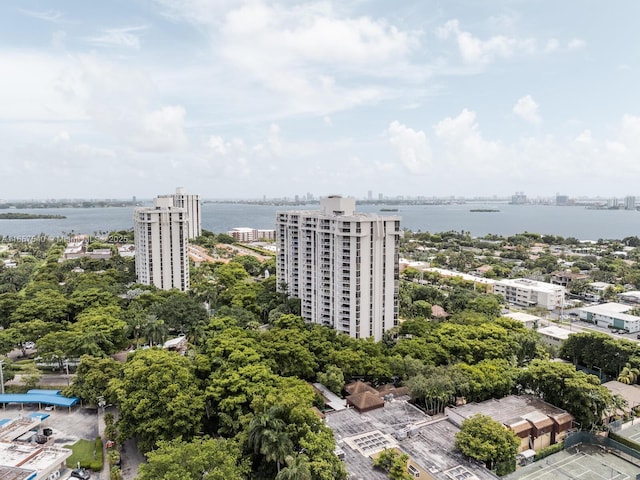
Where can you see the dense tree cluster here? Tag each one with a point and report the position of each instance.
(239, 402)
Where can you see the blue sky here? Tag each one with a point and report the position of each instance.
(240, 99)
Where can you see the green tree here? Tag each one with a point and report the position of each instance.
(629, 374)
(92, 379)
(484, 439)
(297, 468)
(200, 459)
(268, 438)
(159, 398)
(47, 305)
(180, 312)
(332, 378)
(394, 463)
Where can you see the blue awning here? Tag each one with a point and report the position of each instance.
(57, 400)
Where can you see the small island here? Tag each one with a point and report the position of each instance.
(484, 210)
(29, 216)
(388, 209)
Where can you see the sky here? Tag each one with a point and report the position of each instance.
(245, 99)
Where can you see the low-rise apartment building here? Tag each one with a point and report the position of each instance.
(564, 278)
(246, 234)
(530, 293)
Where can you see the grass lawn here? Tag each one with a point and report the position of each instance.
(83, 452)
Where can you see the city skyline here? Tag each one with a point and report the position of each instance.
(239, 99)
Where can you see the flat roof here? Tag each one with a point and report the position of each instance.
(522, 317)
(631, 393)
(555, 332)
(32, 456)
(526, 283)
(607, 308)
(15, 473)
(509, 409)
(464, 276)
(429, 443)
(333, 400)
(17, 427)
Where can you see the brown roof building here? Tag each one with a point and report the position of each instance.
(538, 424)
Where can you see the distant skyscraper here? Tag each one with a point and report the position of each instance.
(161, 245)
(191, 203)
(519, 198)
(343, 266)
(369, 195)
(629, 202)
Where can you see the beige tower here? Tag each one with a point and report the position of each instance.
(343, 265)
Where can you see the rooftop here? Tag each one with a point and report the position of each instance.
(530, 284)
(611, 309)
(556, 332)
(510, 410)
(31, 456)
(399, 424)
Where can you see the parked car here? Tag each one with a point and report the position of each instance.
(80, 473)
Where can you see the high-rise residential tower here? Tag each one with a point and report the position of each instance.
(191, 203)
(161, 245)
(342, 265)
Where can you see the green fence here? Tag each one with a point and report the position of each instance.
(591, 439)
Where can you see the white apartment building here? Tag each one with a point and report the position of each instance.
(161, 245)
(343, 266)
(191, 203)
(530, 293)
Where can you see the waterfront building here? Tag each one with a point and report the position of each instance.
(530, 293)
(519, 198)
(191, 203)
(342, 265)
(629, 202)
(161, 245)
(246, 234)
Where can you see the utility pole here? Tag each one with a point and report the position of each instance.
(1, 377)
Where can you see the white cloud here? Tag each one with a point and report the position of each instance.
(234, 157)
(411, 146)
(464, 143)
(576, 43)
(47, 15)
(552, 45)
(306, 57)
(527, 109)
(120, 100)
(477, 51)
(125, 37)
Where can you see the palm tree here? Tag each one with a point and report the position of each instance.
(156, 330)
(136, 323)
(629, 375)
(297, 468)
(268, 438)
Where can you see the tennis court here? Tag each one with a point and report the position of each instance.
(631, 432)
(583, 462)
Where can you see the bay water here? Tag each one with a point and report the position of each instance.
(571, 221)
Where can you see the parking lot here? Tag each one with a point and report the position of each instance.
(68, 427)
